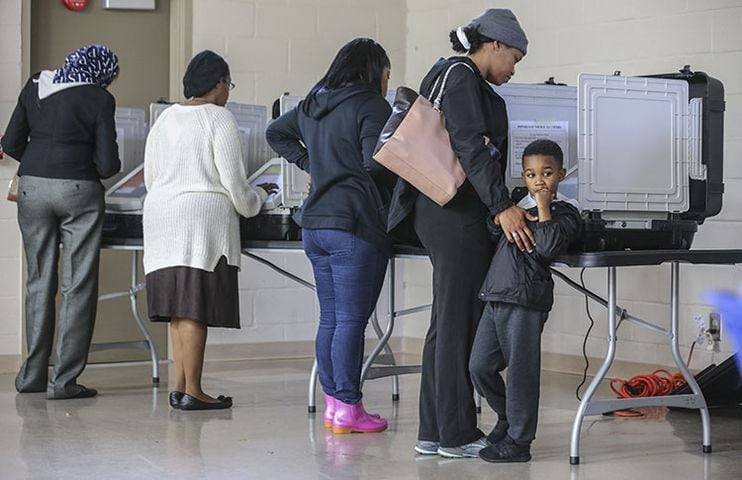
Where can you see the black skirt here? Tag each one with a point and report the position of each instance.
(211, 298)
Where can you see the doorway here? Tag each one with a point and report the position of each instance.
(141, 39)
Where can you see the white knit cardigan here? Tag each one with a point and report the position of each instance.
(196, 186)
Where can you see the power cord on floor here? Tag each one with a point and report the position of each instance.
(584, 342)
(660, 382)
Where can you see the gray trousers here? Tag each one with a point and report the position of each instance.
(50, 212)
(510, 336)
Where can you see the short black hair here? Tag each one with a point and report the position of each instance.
(205, 70)
(544, 146)
(476, 40)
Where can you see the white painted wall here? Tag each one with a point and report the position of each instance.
(285, 45)
(11, 82)
(277, 46)
(601, 36)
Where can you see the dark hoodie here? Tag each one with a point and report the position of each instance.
(472, 111)
(334, 143)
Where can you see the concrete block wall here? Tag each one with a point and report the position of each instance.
(11, 82)
(602, 36)
(277, 46)
(274, 46)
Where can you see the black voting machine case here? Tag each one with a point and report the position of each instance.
(644, 226)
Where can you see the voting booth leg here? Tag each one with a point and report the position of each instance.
(311, 400)
(574, 451)
(135, 311)
(148, 342)
(383, 336)
(689, 378)
(391, 312)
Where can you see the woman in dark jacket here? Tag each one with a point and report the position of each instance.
(62, 132)
(332, 134)
(455, 236)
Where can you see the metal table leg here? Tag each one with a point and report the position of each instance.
(148, 342)
(311, 400)
(384, 336)
(138, 318)
(312, 391)
(574, 452)
(700, 401)
(388, 363)
(588, 406)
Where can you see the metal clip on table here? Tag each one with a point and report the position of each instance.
(612, 260)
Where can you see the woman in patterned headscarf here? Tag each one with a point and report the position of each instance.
(62, 132)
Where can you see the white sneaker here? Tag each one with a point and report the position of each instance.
(427, 447)
(470, 450)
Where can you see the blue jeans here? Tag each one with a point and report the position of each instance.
(349, 273)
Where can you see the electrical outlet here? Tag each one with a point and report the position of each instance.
(715, 326)
(700, 329)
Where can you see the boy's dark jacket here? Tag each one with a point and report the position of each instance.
(524, 278)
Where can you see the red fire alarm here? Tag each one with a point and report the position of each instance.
(75, 5)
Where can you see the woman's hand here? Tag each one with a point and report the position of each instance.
(513, 224)
(269, 187)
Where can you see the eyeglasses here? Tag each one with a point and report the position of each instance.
(231, 85)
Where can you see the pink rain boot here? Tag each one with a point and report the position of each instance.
(329, 414)
(354, 418)
(329, 410)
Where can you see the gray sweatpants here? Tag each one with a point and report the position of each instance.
(510, 336)
(53, 211)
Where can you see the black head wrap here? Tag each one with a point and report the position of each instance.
(204, 71)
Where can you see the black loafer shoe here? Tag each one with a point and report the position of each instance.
(83, 393)
(175, 398)
(192, 403)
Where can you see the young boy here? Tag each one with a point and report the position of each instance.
(519, 292)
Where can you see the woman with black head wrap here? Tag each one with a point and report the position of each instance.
(63, 134)
(196, 191)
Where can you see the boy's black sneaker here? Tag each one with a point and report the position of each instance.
(499, 432)
(506, 451)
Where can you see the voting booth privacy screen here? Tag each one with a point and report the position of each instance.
(643, 154)
(644, 157)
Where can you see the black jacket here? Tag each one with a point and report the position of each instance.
(524, 278)
(334, 142)
(70, 134)
(472, 110)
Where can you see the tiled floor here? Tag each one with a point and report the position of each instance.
(129, 432)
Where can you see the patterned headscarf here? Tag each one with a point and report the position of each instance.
(90, 64)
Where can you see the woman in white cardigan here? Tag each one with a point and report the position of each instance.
(196, 189)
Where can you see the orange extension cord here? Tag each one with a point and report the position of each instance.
(658, 383)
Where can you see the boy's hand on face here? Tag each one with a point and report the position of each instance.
(543, 197)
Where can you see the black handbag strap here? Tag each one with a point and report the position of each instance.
(439, 97)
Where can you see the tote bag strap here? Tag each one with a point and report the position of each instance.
(439, 97)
